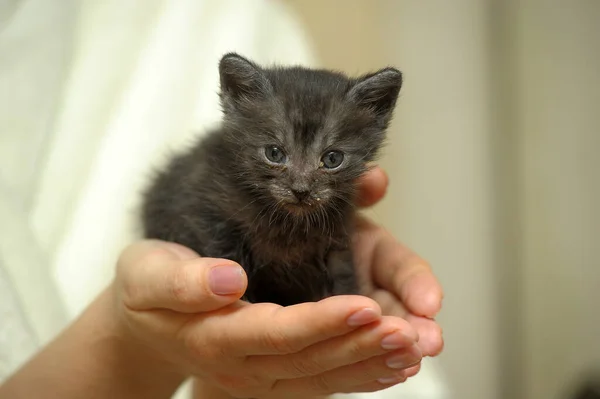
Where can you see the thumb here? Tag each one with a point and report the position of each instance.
(372, 187)
(160, 275)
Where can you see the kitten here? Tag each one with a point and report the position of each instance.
(273, 188)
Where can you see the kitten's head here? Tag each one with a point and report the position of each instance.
(301, 137)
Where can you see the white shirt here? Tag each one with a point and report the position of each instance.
(93, 95)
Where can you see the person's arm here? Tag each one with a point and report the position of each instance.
(90, 359)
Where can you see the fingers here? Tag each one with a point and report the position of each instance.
(418, 288)
(430, 333)
(431, 340)
(405, 273)
(160, 275)
(381, 384)
(372, 187)
(390, 333)
(383, 370)
(263, 329)
(390, 305)
(399, 270)
(412, 370)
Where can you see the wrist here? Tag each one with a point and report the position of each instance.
(93, 359)
(131, 361)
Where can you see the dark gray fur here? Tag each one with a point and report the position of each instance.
(223, 199)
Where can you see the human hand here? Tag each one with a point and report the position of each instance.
(168, 299)
(392, 274)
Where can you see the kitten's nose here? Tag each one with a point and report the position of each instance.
(300, 194)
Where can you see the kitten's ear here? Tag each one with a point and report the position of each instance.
(241, 77)
(378, 91)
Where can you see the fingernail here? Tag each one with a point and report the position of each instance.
(392, 379)
(362, 317)
(226, 280)
(406, 359)
(396, 340)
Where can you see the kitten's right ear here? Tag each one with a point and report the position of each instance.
(241, 78)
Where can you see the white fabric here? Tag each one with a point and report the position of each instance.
(101, 91)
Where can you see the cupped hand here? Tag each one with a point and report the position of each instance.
(186, 310)
(392, 274)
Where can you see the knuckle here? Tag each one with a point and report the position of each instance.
(357, 350)
(198, 349)
(303, 366)
(129, 291)
(415, 261)
(279, 342)
(179, 286)
(410, 265)
(130, 266)
(276, 339)
(211, 347)
(152, 257)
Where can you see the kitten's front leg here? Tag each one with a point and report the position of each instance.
(340, 264)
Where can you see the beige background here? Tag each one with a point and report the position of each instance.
(495, 168)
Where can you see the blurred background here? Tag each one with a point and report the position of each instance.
(493, 158)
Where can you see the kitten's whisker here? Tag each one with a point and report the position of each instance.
(241, 210)
(254, 225)
(274, 213)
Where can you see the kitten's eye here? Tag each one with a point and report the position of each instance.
(332, 159)
(275, 154)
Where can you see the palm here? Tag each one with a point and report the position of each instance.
(393, 275)
(389, 273)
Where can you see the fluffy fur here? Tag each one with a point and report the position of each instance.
(284, 214)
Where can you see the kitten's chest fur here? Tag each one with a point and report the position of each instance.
(288, 261)
(287, 265)
(302, 263)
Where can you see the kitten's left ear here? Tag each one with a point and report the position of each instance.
(378, 91)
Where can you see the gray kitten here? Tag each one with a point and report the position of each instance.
(273, 189)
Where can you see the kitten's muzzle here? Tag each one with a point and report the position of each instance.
(301, 201)
(301, 195)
